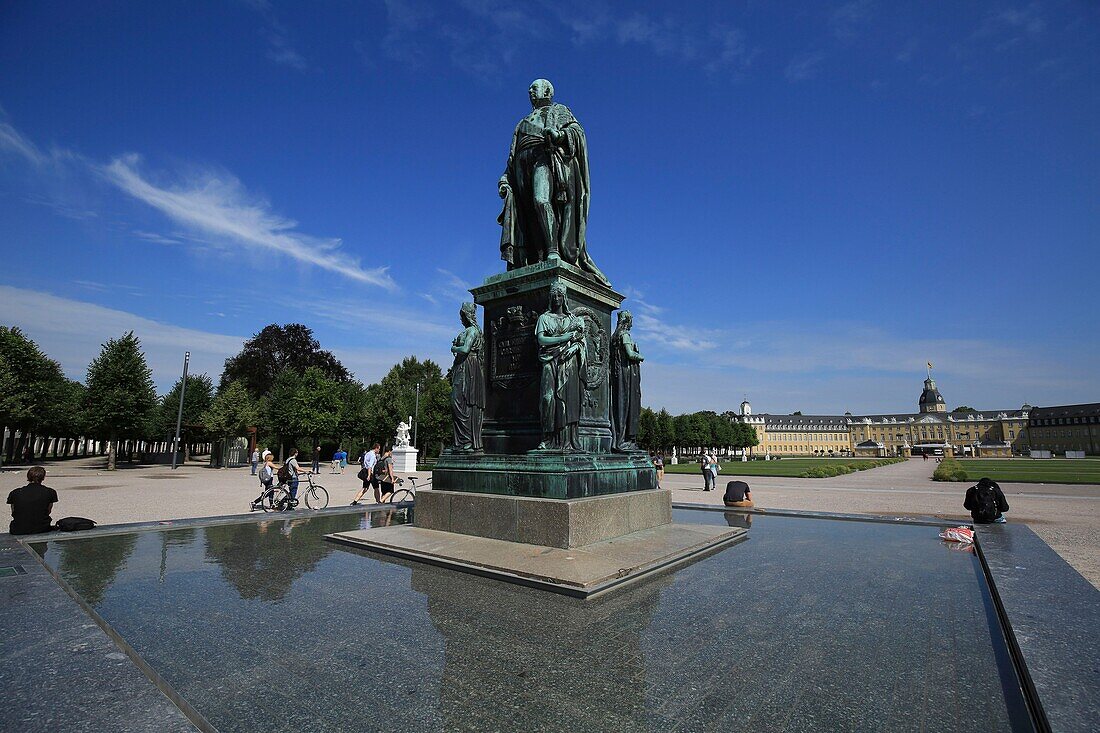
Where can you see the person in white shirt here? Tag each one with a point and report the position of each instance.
(370, 458)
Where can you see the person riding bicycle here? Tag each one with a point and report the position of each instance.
(267, 478)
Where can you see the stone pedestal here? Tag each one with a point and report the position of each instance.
(404, 459)
(512, 430)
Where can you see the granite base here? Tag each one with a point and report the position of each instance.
(582, 572)
(545, 474)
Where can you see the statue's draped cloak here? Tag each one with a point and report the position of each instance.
(562, 366)
(468, 391)
(522, 241)
(626, 390)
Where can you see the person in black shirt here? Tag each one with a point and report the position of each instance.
(737, 494)
(986, 502)
(31, 505)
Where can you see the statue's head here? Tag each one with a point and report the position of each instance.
(468, 314)
(541, 93)
(626, 320)
(558, 296)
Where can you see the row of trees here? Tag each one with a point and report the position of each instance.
(281, 383)
(660, 431)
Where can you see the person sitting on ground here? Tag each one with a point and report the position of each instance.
(31, 505)
(986, 502)
(737, 494)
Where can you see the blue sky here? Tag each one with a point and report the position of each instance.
(804, 202)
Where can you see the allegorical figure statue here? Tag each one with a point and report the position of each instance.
(626, 386)
(545, 187)
(563, 355)
(468, 382)
(401, 437)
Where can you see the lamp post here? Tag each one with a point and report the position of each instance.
(179, 415)
(416, 419)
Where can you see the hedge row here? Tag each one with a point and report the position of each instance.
(839, 469)
(950, 470)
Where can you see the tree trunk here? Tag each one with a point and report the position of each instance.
(112, 452)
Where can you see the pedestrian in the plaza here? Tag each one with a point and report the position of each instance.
(255, 459)
(737, 494)
(316, 459)
(265, 453)
(293, 469)
(31, 504)
(383, 486)
(659, 465)
(707, 464)
(267, 478)
(986, 502)
(366, 473)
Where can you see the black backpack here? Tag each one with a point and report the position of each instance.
(284, 473)
(74, 524)
(985, 509)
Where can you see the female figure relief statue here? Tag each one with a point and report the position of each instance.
(468, 383)
(626, 386)
(564, 359)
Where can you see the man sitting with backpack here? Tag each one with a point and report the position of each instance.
(986, 502)
(31, 505)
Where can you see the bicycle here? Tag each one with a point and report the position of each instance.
(278, 498)
(401, 496)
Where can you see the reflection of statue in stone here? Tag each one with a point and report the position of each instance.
(401, 438)
(545, 187)
(626, 386)
(468, 382)
(563, 355)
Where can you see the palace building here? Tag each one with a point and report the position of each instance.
(1066, 427)
(932, 430)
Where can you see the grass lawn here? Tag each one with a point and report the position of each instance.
(786, 467)
(1035, 471)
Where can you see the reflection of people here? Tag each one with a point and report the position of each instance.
(564, 358)
(31, 505)
(739, 519)
(986, 502)
(545, 187)
(626, 385)
(468, 382)
(737, 494)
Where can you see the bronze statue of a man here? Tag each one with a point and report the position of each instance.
(468, 383)
(564, 358)
(545, 187)
(626, 386)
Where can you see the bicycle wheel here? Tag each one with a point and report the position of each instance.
(280, 500)
(402, 495)
(267, 501)
(316, 497)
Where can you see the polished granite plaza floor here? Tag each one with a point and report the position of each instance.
(810, 624)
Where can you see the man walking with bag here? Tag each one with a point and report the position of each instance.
(366, 473)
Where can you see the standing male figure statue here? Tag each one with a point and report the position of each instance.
(560, 336)
(626, 386)
(545, 187)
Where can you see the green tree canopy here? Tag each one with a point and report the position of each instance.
(119, 396)
(29, 379)
(964, 408)
(197, 399)
(394, 399)
(231, 413)
(304, 405)
(274, 350)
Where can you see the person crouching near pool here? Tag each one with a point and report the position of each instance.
(737, 494)
(31, 505)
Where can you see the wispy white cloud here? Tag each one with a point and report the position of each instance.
(280, 48)
(217, 206)
(72, 332)
(846, 20)
(804, 66)
(154, 237)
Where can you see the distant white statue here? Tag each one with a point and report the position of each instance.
(402, 437)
